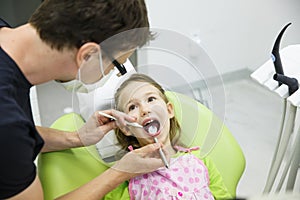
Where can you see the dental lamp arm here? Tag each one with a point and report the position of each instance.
(275, 51)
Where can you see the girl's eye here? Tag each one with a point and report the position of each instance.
(151, 99)
(132, 107)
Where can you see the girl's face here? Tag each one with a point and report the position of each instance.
(144, 102)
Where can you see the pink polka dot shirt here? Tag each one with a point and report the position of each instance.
(186, 178)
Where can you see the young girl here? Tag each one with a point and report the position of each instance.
(187, 177)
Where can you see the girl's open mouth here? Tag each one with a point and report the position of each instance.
(152, 127)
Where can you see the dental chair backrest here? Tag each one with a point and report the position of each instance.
(62, 171)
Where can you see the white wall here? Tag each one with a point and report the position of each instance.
(236, 34)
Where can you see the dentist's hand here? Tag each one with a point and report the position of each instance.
(97, 126)
(139, 161)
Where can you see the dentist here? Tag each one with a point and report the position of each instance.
(77, 43)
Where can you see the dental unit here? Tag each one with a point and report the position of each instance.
(279, 80)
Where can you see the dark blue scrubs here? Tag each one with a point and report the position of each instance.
(20, 142)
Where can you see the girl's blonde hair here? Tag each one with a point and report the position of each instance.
(126, 141)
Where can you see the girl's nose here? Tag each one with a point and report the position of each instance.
(144, 109)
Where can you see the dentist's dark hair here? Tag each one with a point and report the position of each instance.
(71, 23)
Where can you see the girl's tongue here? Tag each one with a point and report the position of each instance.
(152, 127)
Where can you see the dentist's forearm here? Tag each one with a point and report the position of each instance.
(98, 187)
(56, 140)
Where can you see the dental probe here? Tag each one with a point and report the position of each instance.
(134, 124)
(162, 155)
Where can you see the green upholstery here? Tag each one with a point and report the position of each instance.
(63, 171)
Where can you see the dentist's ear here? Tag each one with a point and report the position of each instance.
(85, 51)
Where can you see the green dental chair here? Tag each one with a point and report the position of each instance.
(62, 171)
